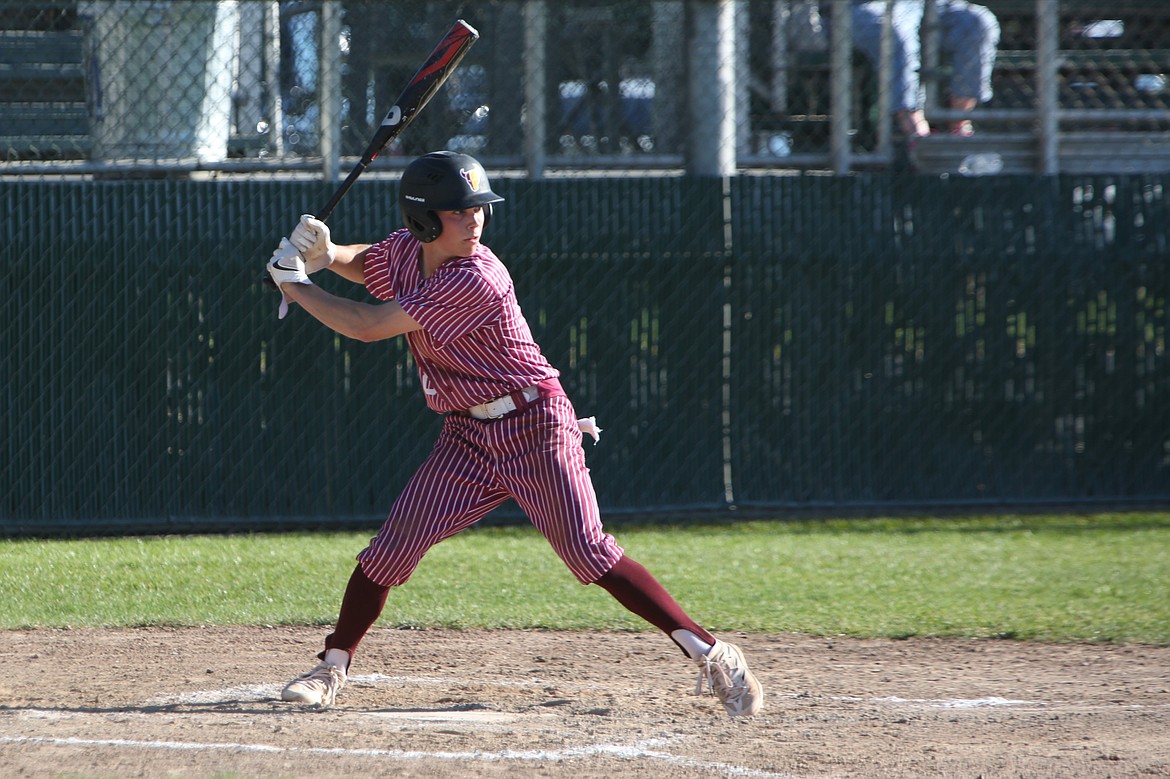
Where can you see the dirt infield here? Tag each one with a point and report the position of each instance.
(203, 702)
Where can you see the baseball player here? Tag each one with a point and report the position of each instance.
(509, 431)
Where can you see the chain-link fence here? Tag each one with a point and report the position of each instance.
(95, 86)
(750, 334)
(841, 343)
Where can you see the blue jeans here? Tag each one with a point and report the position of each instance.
(970, 33)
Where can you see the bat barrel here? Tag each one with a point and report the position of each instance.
(439, 65)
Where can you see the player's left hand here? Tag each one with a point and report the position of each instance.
(311, 239)
(286, 266)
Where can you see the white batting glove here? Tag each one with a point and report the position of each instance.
(286, 267)
(311, 239)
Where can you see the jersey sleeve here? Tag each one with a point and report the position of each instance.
(376, 268)
(453, 302)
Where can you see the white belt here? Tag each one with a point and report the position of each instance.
(494, 409)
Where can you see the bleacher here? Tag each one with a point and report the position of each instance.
(1113, 94)
(44, 110)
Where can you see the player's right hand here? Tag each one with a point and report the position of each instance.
(311, 240)
(286, 266)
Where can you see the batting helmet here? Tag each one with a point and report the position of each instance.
(442, 181)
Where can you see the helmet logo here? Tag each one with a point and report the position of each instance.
(472, 177)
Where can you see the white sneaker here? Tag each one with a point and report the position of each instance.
(318, 687)
(728, 677)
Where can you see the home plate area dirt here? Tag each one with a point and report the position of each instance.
(204, 702)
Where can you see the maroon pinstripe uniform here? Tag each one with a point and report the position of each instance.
(509, 431)
(475, 346)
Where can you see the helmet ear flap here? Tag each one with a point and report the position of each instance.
(424, 225)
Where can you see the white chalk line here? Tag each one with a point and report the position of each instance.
(272, 691)
(483, 720)
(958, 703)
(988, 703)
(642, 750)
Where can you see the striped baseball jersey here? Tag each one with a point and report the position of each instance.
(475, 344)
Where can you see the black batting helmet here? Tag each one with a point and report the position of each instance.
(442, 181)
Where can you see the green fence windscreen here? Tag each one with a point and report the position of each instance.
(796, 341)
(991, 342)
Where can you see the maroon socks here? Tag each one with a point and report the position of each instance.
(628, 582)
(636, 588)
(360, 609)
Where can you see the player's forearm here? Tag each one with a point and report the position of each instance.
(360, 321)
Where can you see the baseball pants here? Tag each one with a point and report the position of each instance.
(533, 456)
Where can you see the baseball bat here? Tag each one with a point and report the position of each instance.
(439, 65)
(422, 87)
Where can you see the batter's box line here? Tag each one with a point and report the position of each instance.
(272, 690)
(994, 702)
(933, 703)
(642, 750)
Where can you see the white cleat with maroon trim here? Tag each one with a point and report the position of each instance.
(726, 671)
(318, 687)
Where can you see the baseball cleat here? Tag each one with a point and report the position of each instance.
(728, 677)
(318, 687)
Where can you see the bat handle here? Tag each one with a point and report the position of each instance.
(327, 210)
(357, 171)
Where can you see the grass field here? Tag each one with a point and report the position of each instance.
(1099, 578)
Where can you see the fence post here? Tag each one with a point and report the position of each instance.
(1047, 83)
(841, 86)
(535, 66)
(711, 89)
(885, 128)
(330, 90)
(275, 101)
